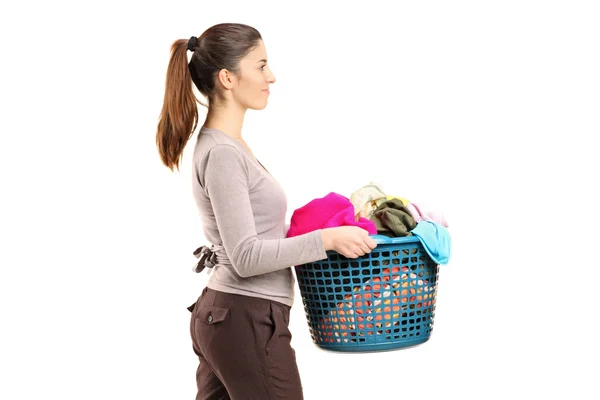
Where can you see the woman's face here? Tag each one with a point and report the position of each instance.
(252, 87)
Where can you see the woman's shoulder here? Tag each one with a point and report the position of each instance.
(216, 153)
(215, 145)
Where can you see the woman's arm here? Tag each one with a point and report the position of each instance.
(226, 184)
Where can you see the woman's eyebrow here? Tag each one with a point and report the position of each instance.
(263, 60)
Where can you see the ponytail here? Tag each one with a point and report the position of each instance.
(179, 116)
(221, 46)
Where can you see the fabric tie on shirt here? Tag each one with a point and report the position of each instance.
(207, 257)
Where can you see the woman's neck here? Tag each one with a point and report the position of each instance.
(227, 119)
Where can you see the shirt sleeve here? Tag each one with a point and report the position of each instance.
(226, 184)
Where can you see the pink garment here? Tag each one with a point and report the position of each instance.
(327, 212)
(432, 216)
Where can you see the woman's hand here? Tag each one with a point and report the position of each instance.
(350, 241)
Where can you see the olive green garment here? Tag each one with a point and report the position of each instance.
(392, 219)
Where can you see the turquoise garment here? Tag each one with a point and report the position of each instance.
(436, 240)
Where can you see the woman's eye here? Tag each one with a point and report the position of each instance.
(263, 67)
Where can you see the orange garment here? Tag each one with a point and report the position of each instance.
(382, 302)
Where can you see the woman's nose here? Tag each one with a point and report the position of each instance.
(271, 78)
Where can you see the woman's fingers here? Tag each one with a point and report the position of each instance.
(364, 249)
(367, 244)
(358, 244)
(370, 242)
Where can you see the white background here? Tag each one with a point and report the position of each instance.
(485, 110)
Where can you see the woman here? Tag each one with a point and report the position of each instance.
(239, 324)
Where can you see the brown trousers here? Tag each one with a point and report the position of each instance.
(243, 345)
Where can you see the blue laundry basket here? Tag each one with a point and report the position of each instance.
(384, 300)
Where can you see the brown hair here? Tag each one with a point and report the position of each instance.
(220, 47)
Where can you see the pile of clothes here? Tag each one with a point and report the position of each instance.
(373, 210)
(401, 296)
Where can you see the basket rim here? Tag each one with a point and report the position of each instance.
(382, 239)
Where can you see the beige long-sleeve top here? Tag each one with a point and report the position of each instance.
(243, 211)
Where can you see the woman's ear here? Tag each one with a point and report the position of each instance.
(226, 79)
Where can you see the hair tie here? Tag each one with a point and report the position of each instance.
(192, 43)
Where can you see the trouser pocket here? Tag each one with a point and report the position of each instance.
(212, 315)
(279, 317)
(275, 326)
